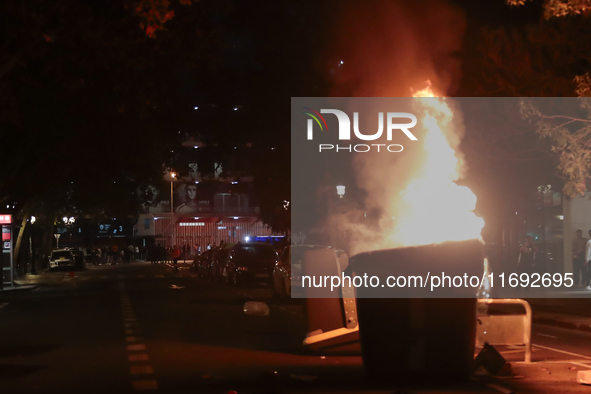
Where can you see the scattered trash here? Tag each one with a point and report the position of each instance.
(254, 308)
(507, 370)
(490, 359)
(305, 378)
(584, 377)
(271, 374)
(481, 371)
(71, 274)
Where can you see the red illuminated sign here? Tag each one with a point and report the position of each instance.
(5, 219)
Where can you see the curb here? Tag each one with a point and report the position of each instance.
(562, 324)
(19, 288)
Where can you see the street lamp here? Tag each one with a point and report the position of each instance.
(172, 178)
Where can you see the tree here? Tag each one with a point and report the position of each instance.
(571, 140)
(545, 59)
(570, 136)
(560, 8)
(83, 105)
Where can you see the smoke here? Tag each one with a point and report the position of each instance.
(391, 49)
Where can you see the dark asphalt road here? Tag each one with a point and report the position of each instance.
(120, 329)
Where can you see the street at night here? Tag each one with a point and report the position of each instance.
(146, 327)
(267, 197)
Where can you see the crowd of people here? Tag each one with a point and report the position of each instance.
(581, 249)
(113, 254)
(581, 252)
(157, 254)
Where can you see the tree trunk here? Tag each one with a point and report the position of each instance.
(17, 258)
(47, 239)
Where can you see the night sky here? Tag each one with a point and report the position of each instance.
(89, 100)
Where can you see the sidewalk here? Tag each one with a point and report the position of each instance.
(26, 283)
(571, 313)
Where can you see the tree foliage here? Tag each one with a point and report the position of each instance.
(549, 58)
(153, 14)
(571, 140)
(560, 8)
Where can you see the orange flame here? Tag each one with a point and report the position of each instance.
(437, 208)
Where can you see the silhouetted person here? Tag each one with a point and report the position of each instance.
(527, 256)
(579, 261)
(587, 266)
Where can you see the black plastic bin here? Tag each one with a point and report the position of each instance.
(410, 338)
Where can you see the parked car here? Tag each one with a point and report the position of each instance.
(61, 258)
(250, 262)
(287, 273)
(282, 275)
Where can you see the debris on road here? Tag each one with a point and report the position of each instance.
(584, 377)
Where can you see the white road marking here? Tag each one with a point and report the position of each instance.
(499, 388)
(145, 385)
(139, 357)
(133, 348)
(141, 369)
(515, 351)
(546, 335)
(129, 321)
(562, 351)
(563, 362)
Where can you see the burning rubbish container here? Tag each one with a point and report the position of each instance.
(418, 332)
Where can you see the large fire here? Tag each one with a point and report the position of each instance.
(437, 208)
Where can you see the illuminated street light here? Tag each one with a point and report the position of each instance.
(172, 178)
(341, 191)
(33, 219)
(65, 219)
